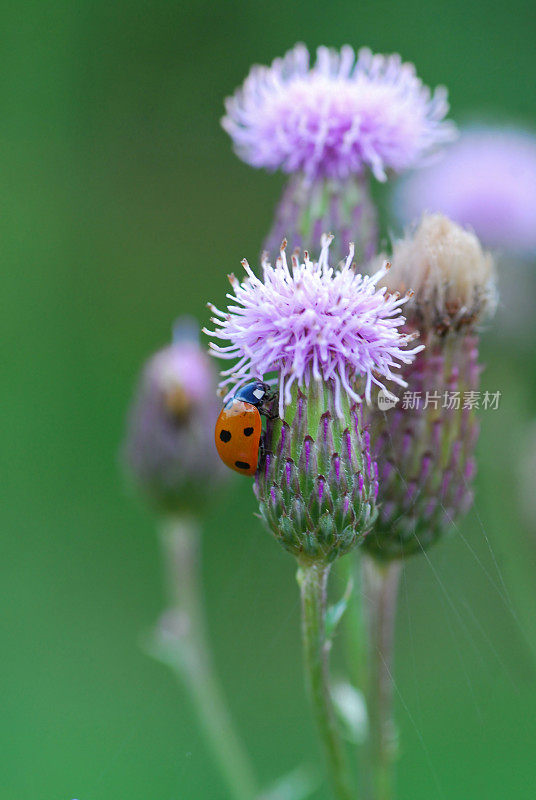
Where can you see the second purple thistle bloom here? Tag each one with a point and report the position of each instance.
(331, 124)
(340, 116)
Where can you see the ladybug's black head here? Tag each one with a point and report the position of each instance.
(253, 393)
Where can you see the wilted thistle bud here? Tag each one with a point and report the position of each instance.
(330, 125)
(425, 444)
(169, 445)
(323, 337)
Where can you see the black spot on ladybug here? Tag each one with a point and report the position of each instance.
(225, 435)
(242, 465)
(248, 431)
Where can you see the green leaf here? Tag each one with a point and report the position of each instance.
(351, 710)
(335, 612)
(297, 785)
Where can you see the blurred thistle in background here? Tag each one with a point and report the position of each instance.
(169, 451)
(169, 448)
(331, 125)
(487, 181)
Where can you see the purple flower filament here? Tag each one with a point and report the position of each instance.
(310, 322)
(342, 115)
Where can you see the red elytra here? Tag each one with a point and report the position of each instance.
(238, 436)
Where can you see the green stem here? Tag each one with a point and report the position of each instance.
(312, 579)
(180, 640)
(307, 209)
(380, 585)
(353, 623)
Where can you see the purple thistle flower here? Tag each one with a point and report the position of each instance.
(342, 116)
(311, 322)
(486, 180)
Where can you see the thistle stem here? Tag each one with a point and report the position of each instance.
(353, 622)
(380, 586)
(312, 579)
(180, 640)
(309, 208)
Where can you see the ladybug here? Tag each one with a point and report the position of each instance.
(239, 428)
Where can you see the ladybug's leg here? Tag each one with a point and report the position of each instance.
(262, 451)
(268, 406)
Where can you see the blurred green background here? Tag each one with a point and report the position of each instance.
(122, 207)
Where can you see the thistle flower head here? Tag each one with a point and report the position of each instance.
(340, 116)
(311, 322)
(450, 274)
(317, 484)
(169, 448)
(486, 180)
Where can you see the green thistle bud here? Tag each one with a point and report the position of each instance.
(317, 484)
(425, 445)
